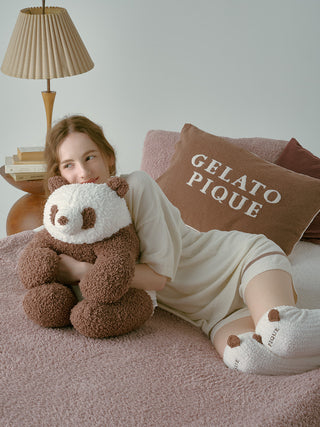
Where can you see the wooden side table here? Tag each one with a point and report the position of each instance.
(27, 212)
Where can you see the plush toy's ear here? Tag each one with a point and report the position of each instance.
(55, 182)
(119, 185)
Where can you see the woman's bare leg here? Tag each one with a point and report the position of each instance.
(285, 330)
(267, 290)
(240, 343)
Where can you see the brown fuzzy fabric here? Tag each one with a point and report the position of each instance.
(274, 315)
(257, 337)
(119, 185)
(133, 309)
(233, 341)
(50, 305)
(89, 218)
(110, 306)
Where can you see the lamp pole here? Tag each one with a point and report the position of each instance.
(48, 96)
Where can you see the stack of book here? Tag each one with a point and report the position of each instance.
(27, 164)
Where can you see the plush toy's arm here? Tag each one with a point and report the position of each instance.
(37, 263)
(110, 276)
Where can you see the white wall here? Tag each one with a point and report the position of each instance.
(232, 67)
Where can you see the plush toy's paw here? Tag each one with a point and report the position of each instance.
(49, 305)
(108, 291)
(96, 320)
(37, 266)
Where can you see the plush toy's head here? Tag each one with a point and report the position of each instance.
(85, 213)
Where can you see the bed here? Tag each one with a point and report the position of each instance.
(167, 373)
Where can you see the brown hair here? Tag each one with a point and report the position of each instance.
(65, 127)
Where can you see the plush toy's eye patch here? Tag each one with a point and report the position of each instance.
(53, 213)
(89, 218)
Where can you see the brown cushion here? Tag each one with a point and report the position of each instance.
(217, 185)
(298, 159)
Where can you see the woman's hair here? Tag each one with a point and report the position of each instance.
(65, 127)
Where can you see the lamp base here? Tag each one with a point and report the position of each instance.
(48, 99)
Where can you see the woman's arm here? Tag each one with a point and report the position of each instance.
(71, 271)
(147, 279)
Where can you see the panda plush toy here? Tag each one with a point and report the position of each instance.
(91, 223)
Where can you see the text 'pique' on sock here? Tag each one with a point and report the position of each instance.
(246, 353)
(290, 331)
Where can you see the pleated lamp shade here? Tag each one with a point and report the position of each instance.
(45, 46)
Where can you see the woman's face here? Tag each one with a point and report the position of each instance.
(80, 160)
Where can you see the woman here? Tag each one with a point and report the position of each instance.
(236, 286)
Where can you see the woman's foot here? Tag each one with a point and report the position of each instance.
(291, 332)
(246, 353)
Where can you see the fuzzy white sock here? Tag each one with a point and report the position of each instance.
(290, 331)
(246, 353)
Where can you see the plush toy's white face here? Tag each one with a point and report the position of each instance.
(85, 213)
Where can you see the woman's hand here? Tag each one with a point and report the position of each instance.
(70, 270)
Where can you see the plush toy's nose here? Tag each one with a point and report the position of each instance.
(69, 225)
(63, 220)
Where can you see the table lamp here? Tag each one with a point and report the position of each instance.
(45, 44)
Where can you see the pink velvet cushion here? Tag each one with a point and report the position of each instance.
(159, 146)
(298, 159)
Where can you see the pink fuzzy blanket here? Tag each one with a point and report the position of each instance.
(165, 374)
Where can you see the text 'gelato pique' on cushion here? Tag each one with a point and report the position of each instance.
(217, 185)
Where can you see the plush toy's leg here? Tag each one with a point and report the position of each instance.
(49, 305)
(96, 320)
